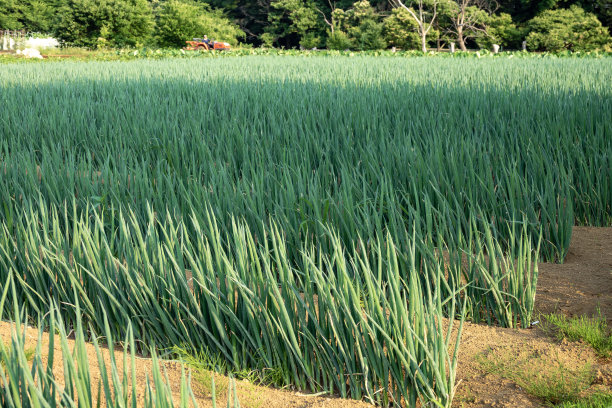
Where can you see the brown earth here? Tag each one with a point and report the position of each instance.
(531, 348)
(579, 286)
(249, 395)
(584, 281)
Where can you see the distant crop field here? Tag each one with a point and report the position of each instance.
(307, 218)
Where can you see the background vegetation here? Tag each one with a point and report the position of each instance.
(545, 25)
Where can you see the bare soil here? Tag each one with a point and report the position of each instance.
(249, 395)
(584, 281)
(579, 286)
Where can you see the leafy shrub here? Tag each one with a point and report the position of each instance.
(310, 40)
(502, 31)
(400, 30)
(567, 29)
(362, 27)
(339, 40)
(267, 40)
(182, 20)
(117, 23)
(295, 17)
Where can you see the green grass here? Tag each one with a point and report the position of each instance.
(597, 400)
(205, 364)
(592, 330)
(544, 377)
(28, 353)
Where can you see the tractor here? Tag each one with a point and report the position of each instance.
(204, 44)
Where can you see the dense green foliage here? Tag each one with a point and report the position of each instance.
(119, 23)
(400, 30)
(361, 26)
(94, 23)
(294, 17)
(29, 14)
(502, 31)
(567, 29)
(382, 108)
(313, 325)
(181, 20)
(550, 25)
(314, 218)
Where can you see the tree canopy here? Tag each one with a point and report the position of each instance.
(546, 25)
(181, 20)
(566, 29)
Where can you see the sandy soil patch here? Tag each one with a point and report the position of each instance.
(574, 288)
(584, 281)
(249, 395)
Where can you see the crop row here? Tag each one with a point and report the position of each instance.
(319, 221)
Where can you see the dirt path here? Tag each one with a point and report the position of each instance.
(249, 395)
(584, 281)
(477, 388)
(577, 287)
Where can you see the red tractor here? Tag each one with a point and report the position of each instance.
(204, 44)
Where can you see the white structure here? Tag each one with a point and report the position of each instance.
(30, 53)
(41, 43)
(20, 39)
(7, 43)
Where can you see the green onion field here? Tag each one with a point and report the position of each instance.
(327, 223)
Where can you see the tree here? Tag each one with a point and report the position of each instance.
(601, 8)
(567, 29)
(359, 25)
(297, 17)
(523, 10)
(501, 30)
(340, 24)
(400, 30)
(116, 23)
(9, 15)
(182, 20)
(37, 15)
(336, 38)
(468, 20)
(31, 15)
(366, 29)
(252, 16)
(424, 16)
(331, 22)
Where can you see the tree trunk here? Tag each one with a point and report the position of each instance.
(460, 39)
(424, 42)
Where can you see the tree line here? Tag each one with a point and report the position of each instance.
(541, 25)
